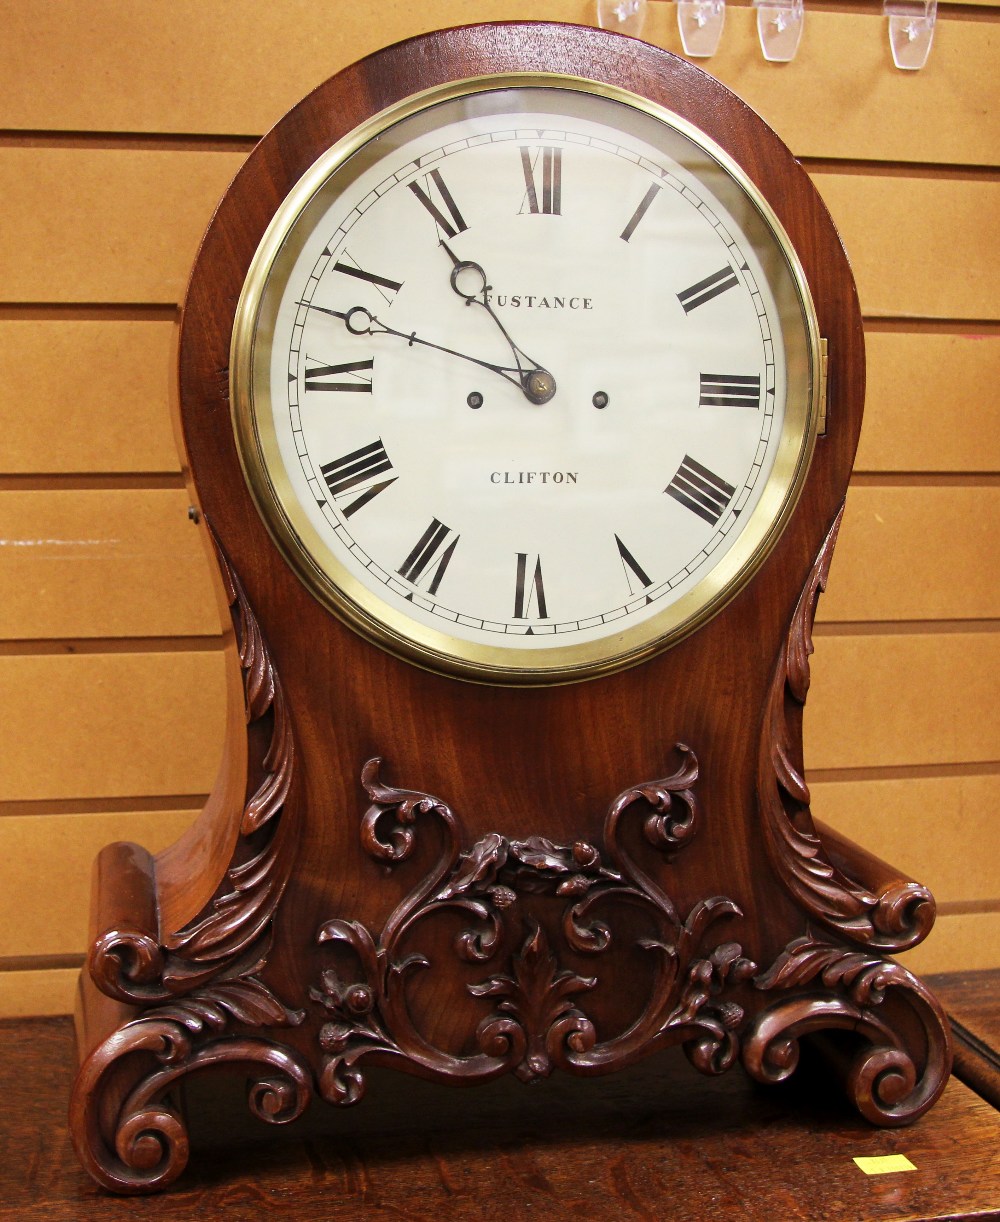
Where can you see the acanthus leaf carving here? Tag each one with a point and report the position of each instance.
(141, 1146)
(195, 983)
(901, 914)
(537, 994)
(141, 968)
(671, 821)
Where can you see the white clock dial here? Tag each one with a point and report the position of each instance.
(524, 379)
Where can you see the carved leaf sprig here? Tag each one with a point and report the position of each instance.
(402, 806)
(673, 820)
(356, 1006)
(864, 976)
(477, 869)
(706, 978)
(352, 1009)
(538, 865)
(246, 1000)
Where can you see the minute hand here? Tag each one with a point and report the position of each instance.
(360, 321)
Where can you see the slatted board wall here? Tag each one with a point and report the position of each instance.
(120, 126)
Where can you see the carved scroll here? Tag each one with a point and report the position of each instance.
(840, 988)
(539, 1021)
(137, 966)
(196, 982)
(895, 918)
(145, 1147)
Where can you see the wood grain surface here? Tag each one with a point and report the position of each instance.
(265, 939)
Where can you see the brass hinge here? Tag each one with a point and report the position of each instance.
(823, 367)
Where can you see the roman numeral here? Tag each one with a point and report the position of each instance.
(551, 184)
(708, 288)
(700, 490)
(451, 224)
(386, 287)
(358, 470)
(433, 547)
(640, 212)
(529, 588)
(729, 390)
(632, 568)
(321, 377)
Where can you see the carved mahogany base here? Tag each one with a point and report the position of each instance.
(130, 1135)
(503, 955)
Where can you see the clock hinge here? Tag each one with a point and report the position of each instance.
(824, 358)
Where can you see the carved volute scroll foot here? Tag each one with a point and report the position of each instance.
(142, 1146)
(184, 988)
(841, 989)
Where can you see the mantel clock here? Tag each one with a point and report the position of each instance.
(521, 377)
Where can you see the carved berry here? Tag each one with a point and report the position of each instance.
(358, 999)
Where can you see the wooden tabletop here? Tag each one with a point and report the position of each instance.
(657, 1142)
(972, 1000)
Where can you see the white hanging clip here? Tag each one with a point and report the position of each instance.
(779, 28)
(625, 16)
(911, 31)
(700, 23)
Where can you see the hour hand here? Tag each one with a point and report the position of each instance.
(468, 280)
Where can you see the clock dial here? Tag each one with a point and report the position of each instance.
(523, 377)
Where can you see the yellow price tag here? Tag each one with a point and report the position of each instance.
(885, 1164)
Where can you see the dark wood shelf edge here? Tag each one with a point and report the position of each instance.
(972, 1001)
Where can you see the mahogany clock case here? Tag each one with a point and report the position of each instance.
(461, 880)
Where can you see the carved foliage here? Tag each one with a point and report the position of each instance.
(539, 1021)
(837, 987)
(195, 983)
(137, 966)
(894, 919)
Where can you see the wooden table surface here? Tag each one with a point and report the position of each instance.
(972, 1000)
(658, 1142)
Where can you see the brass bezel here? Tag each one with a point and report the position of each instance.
(319, 568)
